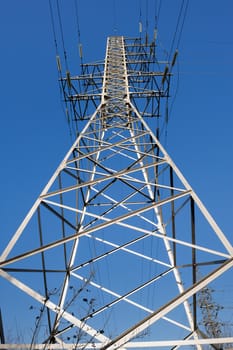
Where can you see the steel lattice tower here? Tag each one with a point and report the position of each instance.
(112, 248)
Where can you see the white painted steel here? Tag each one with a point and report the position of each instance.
(152, 344)
(113, 185)
(94, 333)
(131, 333)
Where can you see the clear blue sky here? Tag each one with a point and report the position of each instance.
(34, 135)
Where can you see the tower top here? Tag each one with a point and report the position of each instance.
(128, 73)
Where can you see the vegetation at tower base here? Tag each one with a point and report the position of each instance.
(111, 249)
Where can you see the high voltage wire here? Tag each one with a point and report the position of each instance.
(78, 31)
(77, 20)
(181, 19)
(62, 34)
(175, 43)
(176, 39)
(53, 17)
(157, 12)
(53, 26)
(182, 25)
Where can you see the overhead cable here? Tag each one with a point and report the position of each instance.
(182, 25)
(157, 12)
(80, 48)
(62, 34)
(53, 27)
(58, 61)
(179, 27)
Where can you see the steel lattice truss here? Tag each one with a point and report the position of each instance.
(113, 247)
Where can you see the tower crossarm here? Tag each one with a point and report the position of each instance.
(130, 71)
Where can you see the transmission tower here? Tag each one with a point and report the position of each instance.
(109, 252)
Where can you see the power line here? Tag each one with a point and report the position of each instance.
(182, 14)
(147, 21)
(157, 12)
(62, 34)
(177, 46)
(77, 20)
(182, 25)
(59, 65)
(140, 18)
(176, 38)
(53, 26)
(78, 31)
